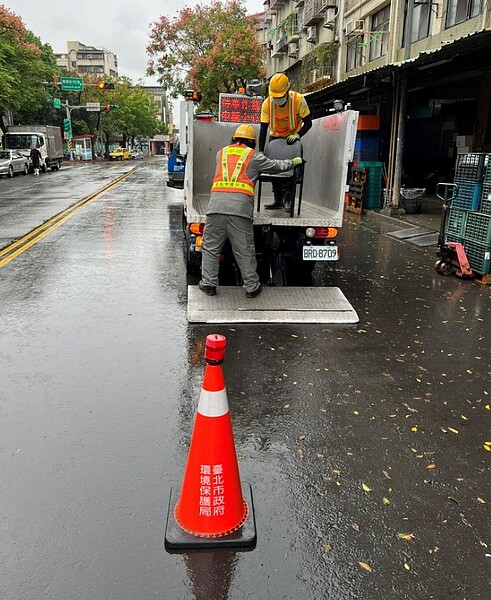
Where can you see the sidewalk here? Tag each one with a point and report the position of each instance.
(429, 217)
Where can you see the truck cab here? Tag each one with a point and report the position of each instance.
(176, 167)
(46, 138)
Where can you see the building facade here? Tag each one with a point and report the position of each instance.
(90, 60)
(322, 42)
(162, 143)
(431, 88)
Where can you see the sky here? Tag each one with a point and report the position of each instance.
(120, 26)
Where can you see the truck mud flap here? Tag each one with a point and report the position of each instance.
(273, 305)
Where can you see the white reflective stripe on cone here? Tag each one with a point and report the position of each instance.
(213, 404)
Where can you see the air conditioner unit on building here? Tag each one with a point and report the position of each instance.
(329, 21)
(355, 27)
(311, 34)
(293, 50)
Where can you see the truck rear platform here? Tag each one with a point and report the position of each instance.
(273, 305)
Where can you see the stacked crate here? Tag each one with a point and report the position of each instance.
(372, 195)
(469, 221)
(366, 155)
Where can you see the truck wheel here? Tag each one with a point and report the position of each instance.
(44, 168)
(11, 171)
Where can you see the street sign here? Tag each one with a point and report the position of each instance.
(72, 84)
(56, 103)
(93, 106)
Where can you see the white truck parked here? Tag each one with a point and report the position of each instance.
(286, 244)
(47, 139)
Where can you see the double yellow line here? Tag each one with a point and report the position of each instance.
(24, 243)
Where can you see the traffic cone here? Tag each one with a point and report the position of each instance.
(213, 509)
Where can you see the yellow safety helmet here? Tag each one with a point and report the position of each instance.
(246, 132)
(279, 85)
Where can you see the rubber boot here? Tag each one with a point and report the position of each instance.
(278, 201)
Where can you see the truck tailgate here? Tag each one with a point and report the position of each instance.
(273, 305)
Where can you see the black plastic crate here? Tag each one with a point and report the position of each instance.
(471, 167)
(485, 204)
(468, 195)
(478, 228)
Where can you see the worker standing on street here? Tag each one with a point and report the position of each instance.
(36, 158)
(231, 209)
(286, 114)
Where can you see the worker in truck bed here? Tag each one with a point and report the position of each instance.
(231, 209)
(286, 114)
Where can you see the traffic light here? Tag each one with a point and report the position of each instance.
(108, 107)
(193, 95)
(105, 85)
(67, 129)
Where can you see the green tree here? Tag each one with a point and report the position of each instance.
(212, 48)
(25, 63)
(135, 116)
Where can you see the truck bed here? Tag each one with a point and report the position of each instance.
(327, 150)
(311, 215)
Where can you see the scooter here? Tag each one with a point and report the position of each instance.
(451, 255)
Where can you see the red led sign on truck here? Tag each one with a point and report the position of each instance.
(237, 108)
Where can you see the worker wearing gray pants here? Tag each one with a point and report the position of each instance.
(239, 231)
(231, 209)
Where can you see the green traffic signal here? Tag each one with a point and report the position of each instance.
(67, 128)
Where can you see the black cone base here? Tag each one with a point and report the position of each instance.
(176, 540)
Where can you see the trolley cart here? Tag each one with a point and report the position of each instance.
(451, 255)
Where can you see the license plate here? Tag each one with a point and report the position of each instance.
(320, 253)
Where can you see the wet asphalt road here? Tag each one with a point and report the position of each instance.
(364, 444)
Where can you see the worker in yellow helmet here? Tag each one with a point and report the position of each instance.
(231, 209)
(285, 114)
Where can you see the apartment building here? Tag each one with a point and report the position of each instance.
(162, 142)
(81, 59)
(429, 87)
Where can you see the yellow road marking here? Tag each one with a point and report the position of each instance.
(37, 234)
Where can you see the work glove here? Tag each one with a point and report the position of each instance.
(297, 161)
(291, 139)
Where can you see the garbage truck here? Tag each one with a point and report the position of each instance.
(47, 139)
(288, 244)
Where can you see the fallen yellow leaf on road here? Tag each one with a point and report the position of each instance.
(365, 487)
(432, 466)
(365, 566)
(409, 537)
(453, 430)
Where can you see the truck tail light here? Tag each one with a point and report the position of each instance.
(321, 232)
(196, 228)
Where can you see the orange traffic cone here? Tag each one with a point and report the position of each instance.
(211, 510)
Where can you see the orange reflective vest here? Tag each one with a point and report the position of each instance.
(230, 175)
(283, 123)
